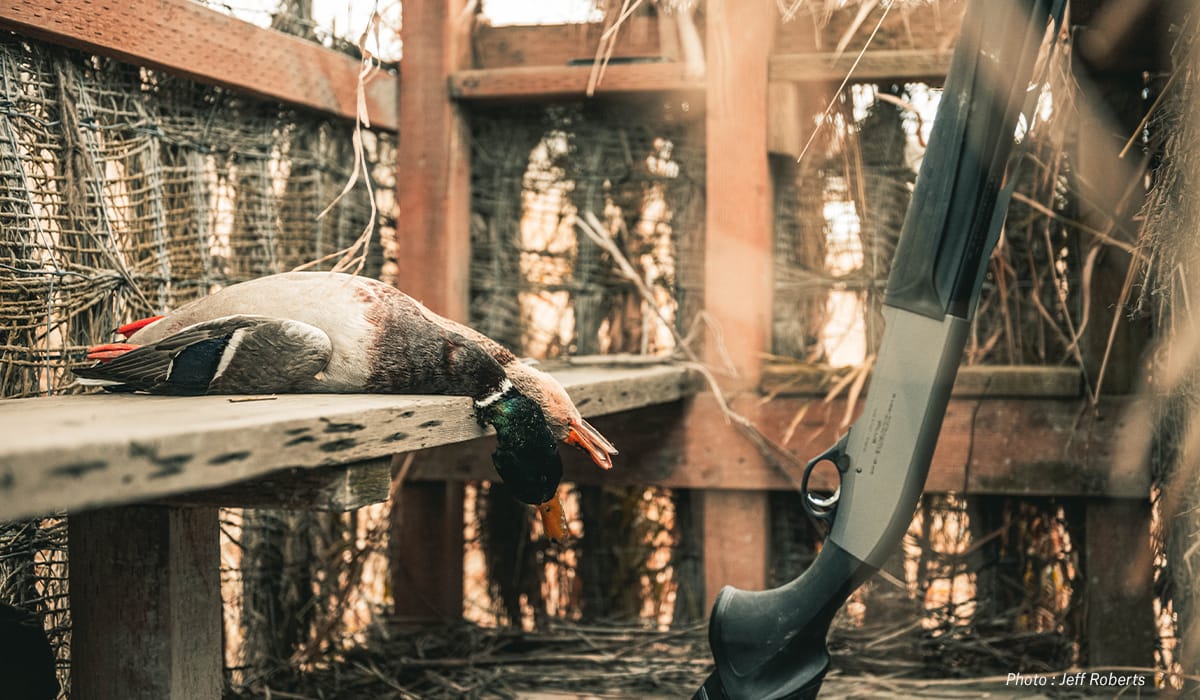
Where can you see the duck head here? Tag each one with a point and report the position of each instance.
(526, 457)
(563, 419)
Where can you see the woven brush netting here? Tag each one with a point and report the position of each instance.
(125, 192)
(538, 284)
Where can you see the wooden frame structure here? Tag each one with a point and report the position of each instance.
(260, 453)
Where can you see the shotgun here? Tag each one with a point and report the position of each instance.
(770, 645)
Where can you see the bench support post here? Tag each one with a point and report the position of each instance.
(145, 604)
(1119, 622)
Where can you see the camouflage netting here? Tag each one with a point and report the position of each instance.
(544, 288)
(124, 192)
(540, 285)
(127, 192)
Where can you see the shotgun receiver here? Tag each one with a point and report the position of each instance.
(770, 645)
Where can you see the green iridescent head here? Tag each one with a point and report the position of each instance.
(527, 456)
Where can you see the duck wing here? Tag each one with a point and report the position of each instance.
(243, 354)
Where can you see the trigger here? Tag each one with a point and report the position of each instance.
(816, 506)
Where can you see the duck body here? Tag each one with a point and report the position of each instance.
(322, 332)
(307, 332)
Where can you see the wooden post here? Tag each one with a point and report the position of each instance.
(427, 550)
(145, 604)
(736, 535)
(737, 264)
(1118, 563)
(432, 162)
(433, 233)
(1110, 63)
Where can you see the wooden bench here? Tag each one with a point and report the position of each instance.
(142, 477)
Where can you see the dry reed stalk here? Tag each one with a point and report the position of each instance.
(837, 93)
(606, 45)
(354, 256)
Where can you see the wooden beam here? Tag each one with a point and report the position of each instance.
(1111, 191)
(145, 604)
(338, 489)
(516, 46)
(786, 125)
(433, 233)
(186, 39)
(77, 452)
(1048, 447)
(992, 381)
(556, 82)
(822, 26)
(1018, 381)
(738, 247)
(433, 161)
(736, 528)
(900, 64)
(427, 561)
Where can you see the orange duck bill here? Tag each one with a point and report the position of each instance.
(554, 520)
(582, 435)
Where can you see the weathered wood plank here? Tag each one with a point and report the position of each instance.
(339, 489)
(989, 446)
(145, 604)
(556, 45)
(77, 452)
(900, 64)
(995, 381)
(184, 38)
(552, 82)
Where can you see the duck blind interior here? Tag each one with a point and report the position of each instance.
(126, 191)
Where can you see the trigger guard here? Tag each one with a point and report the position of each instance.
(825, 508)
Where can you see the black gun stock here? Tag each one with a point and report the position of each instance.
(770, 645)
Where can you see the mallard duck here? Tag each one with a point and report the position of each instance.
(329, 332)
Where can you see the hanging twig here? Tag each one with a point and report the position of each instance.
(354, 256)
(608, 42)
(837, 93)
